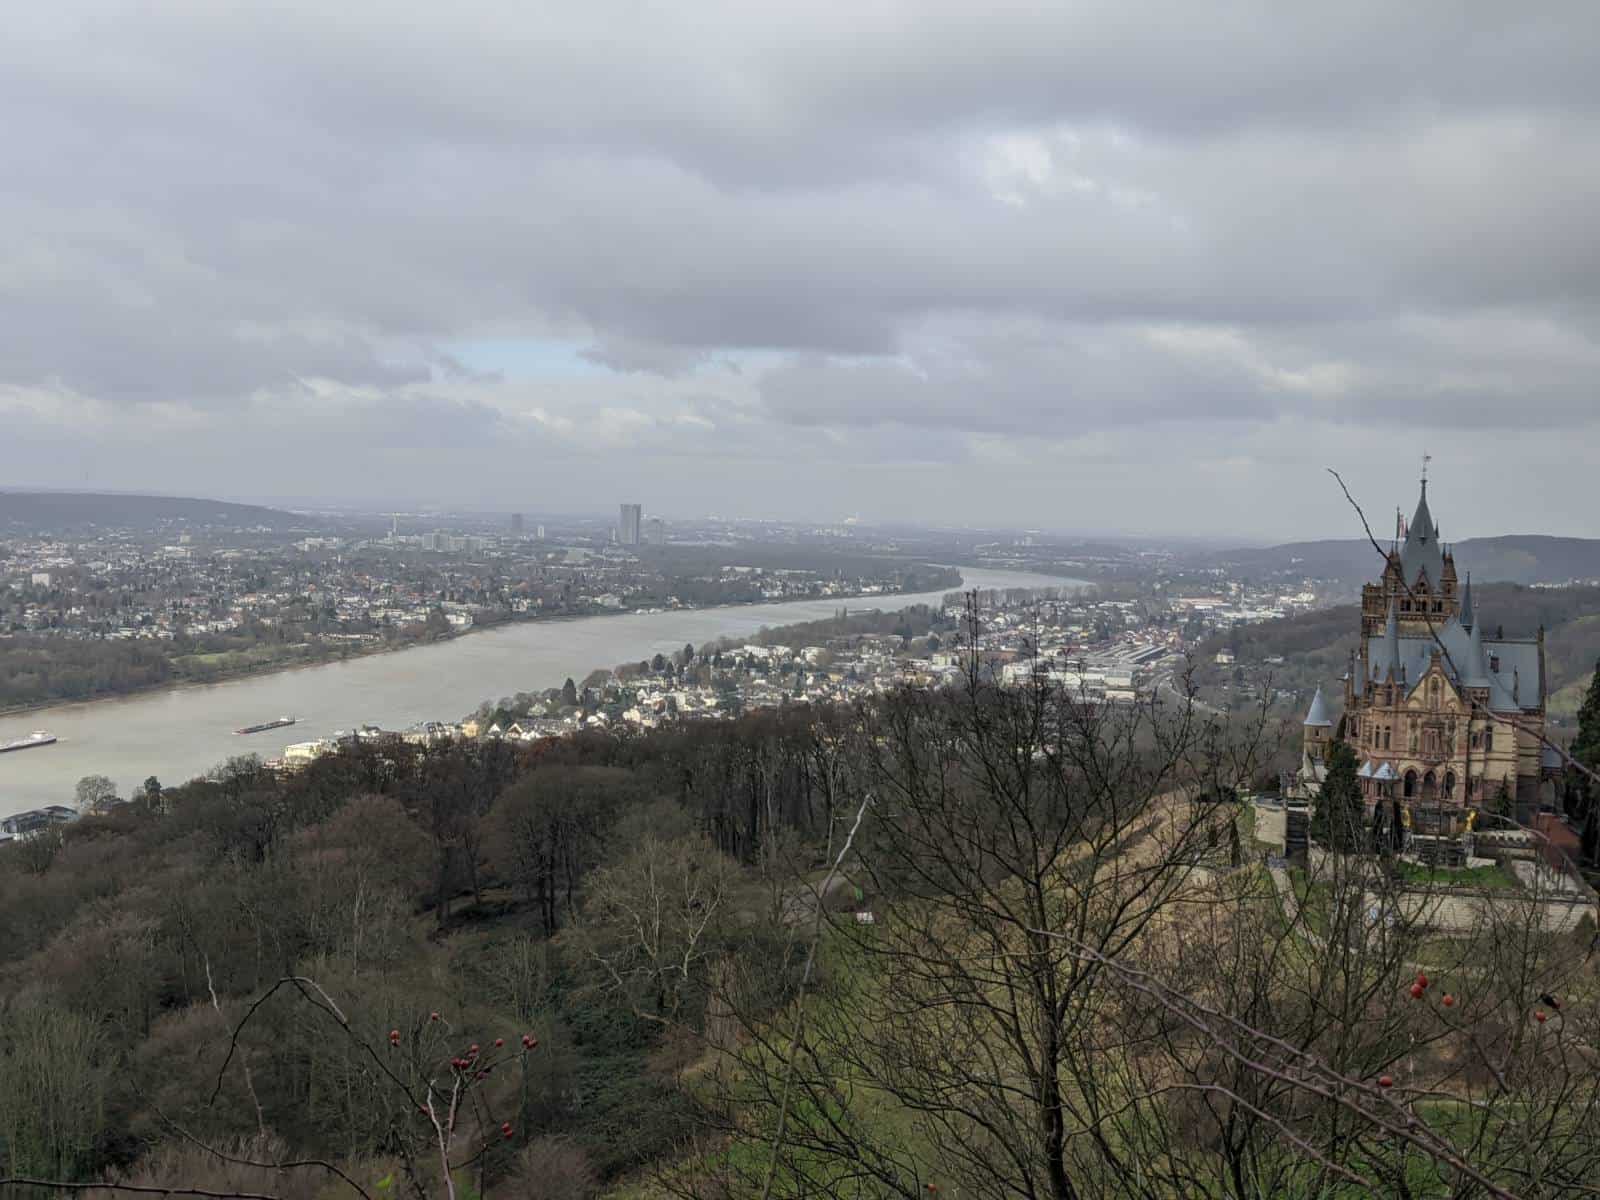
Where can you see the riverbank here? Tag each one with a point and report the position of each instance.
(177, 733)
(327, 655)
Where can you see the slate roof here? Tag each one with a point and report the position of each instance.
(1513, 686)
(1319, 711)
(1421, 552)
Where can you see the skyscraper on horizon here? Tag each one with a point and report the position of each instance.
(516, 523)
(628, 524)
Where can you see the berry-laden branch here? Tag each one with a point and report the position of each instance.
(439, 1104)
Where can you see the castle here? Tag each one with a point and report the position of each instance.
(1443, 715)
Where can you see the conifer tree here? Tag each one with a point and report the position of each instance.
(1586, 747)
(1337, 820)
(1586, 750)
(1504, 804)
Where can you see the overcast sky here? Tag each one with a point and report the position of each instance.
(1123, 267)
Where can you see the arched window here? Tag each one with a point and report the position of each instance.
(1410, 785)
(1430, 786)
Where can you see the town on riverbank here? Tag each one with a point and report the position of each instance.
(202, 592)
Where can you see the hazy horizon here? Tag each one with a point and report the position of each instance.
(1123, 267)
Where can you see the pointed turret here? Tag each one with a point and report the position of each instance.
(1466, 604)
(1475, 671)
(1421, 555)
(1319, 712)
(1388, 668)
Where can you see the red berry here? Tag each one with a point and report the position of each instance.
(1538, 1015)
(506, 1129)
(498, 1042)
(473, 1049)
(1416, 991)
(1447, 1000)
(1385, 1081)
(1422, 979)
(433, 1016)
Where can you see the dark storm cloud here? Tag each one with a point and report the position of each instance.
(765, 223)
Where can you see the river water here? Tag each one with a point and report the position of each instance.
(180, 733)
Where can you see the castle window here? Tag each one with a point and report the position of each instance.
(1488, 739)
(1494, 663)
(1405, 606)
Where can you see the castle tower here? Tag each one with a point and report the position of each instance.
(1318, 729)
(1419, 579)
(1442, 709)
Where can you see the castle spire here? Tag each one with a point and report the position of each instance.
(1389, 661)
(1466, 603)
(1475, 671)
(1420, 556)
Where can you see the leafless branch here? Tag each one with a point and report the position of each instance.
(135, 1188)
(799, 1000)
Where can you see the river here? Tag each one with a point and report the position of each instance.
(179, 733)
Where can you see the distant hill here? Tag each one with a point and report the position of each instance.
(1314, 647)
(1515, 558)
(66, 511)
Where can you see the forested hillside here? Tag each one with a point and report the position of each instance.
(1514, 558)
(1315, 647)
(26, 512)
(802, 954)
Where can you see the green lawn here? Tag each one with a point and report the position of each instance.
(1494, 876)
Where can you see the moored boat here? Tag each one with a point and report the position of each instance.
(37, 738)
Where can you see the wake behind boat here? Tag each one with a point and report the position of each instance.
(37, 738)
(266, 725)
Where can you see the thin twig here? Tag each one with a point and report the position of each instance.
(800, 998)
(249, 1083)
(283, 1165)
(140, 1189)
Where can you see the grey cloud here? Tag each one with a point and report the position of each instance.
(906, 223)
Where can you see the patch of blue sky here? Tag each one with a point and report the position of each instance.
(523, 358)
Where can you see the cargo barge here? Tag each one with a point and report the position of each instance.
(266, 725)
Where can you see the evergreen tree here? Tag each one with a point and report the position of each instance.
(1583, 801)
(569, 693)
(1586, 747)
(1336, 822)
(1504, 803)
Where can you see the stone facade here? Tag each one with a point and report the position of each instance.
(1441, 716)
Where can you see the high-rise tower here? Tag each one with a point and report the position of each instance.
(629, 523)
